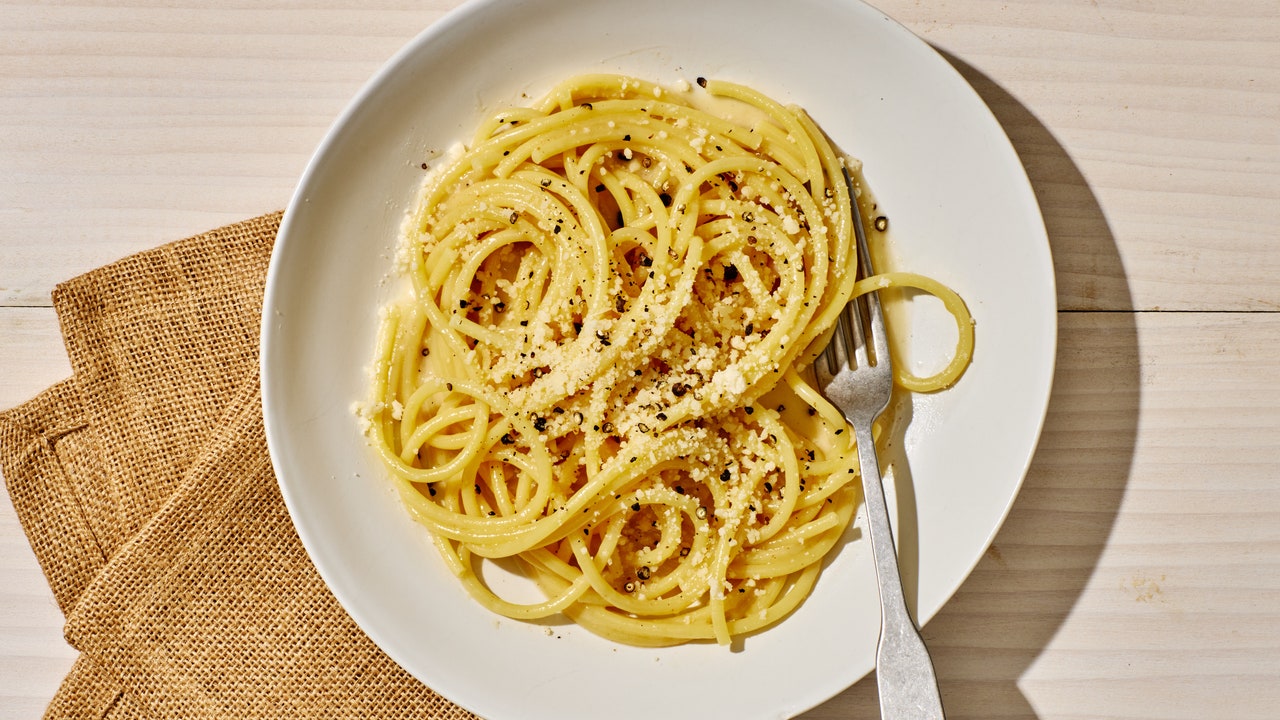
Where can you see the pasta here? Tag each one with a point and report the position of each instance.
(600, 368)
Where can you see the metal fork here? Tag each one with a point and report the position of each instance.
(861, 385)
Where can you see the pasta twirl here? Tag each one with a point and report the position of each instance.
(599, 368)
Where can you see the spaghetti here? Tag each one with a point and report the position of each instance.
(600, 369)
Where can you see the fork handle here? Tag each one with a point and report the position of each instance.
(905, 676)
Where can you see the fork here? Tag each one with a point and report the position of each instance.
(861, 386)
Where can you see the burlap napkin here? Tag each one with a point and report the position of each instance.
(144, 486)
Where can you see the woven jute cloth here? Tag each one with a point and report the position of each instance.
(145, 489)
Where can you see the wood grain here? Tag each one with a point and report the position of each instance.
(1138, 574)
(1170, 112)
(126, 125)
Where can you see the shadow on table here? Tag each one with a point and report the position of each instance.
(1008, 611)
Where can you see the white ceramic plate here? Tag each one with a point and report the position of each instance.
(961, 210)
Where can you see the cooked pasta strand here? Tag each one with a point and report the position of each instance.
(598, 369)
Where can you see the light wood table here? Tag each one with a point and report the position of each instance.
(1138, 575)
